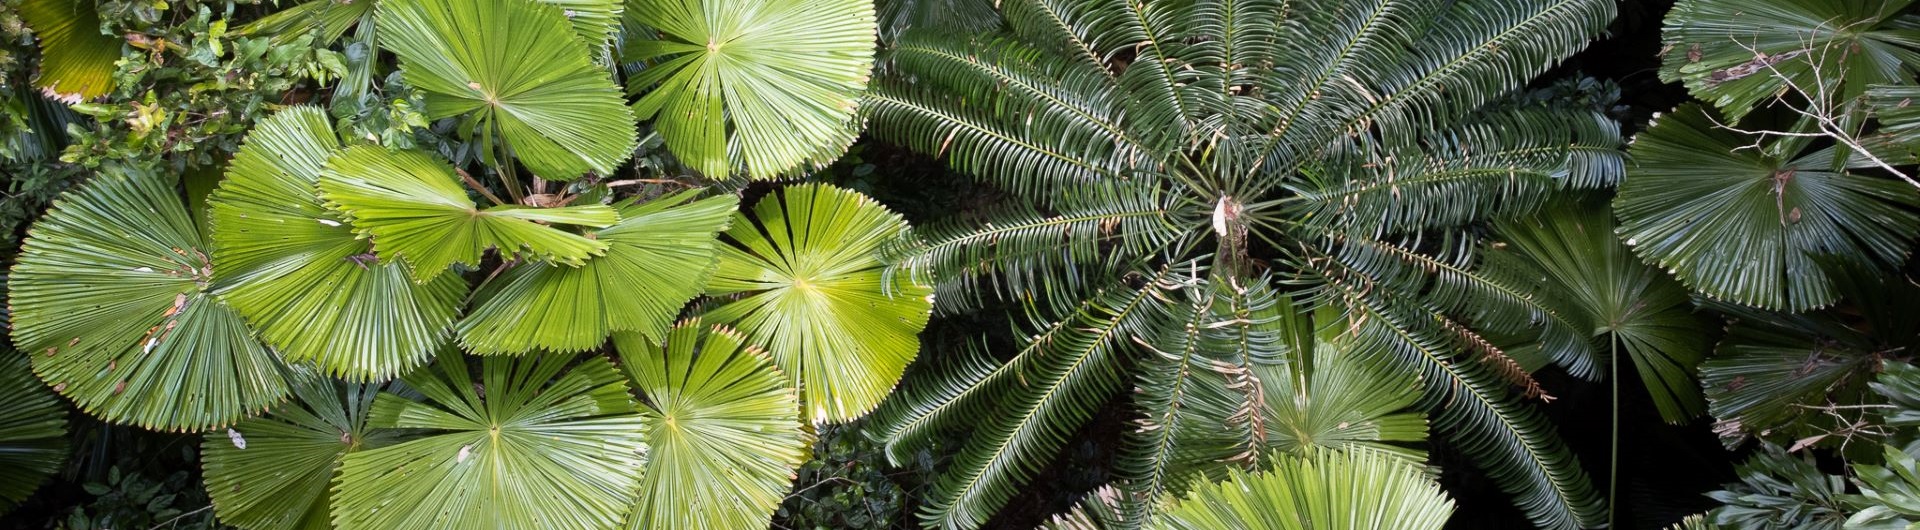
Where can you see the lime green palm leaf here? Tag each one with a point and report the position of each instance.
(413, 207)
(760, 85)
(1571, 249)
(724, 433)
(659, 256)
(538, 441)
(1749, 227)
(529, 80)
(110, 299)
(1740, 54)
(1329, 490)
(76, 60)
(33, 431)
(807, 284)
(298, 273)
(275, 472)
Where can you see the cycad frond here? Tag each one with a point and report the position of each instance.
(724, 429)
(413, 208)
(1512, 442)
(297, 272)
(1045, 393)
(538, 441)
(659, 256)
(107, 298)
(33, 430)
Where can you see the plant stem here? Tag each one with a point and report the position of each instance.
(1613, 461)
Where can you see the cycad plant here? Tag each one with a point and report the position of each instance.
(363, 331)
(1185, 170)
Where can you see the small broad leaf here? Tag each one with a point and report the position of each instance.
(764, 86)
(723, 430)
(538, 441)
(110, 298)
(658, 257)
(806, 283)
(528, 81)
(413, 207)
(33, 430)
(298, 273)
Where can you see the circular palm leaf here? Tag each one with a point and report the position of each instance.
(1330, 490)
(110, 300)
(528, 80)
(297, 272)
(413, 207)
(1745, 226)
(764, 85)
(33, 431)
(658, 257)
(809, 287)
(1740, 54)
(724, 433)
(274, 472)
(539, 441)
(76, 60)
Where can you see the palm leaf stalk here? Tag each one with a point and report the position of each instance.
(1316, 150)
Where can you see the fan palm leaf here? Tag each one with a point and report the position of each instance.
(723, 429)
(763, 86)
(110, 294)
(275, 472)
(33, 431)
(658, 257)
(804, 280)
(1749, 227)
(538, 441)
(413, 208)
(1899, 118)
(529, 81)
(1327, 490)
(1739, 55)
(76, 59)
(298, 273)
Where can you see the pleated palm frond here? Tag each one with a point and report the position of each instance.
(76, 60)
(803, 279)
(275, 472)
(1751, 226)
(1740, 54)
(1019, 414)
(1570, 247)
(1770, 369)
(110, 299)
(1331, 149)
(659, 256)
(33, 431)
(1899, 117)
(537, 441)
(530, 81)
(760, 86)
(1350, 489)
(413, 208)
(331, 19)
(724, 431)
(298, 273)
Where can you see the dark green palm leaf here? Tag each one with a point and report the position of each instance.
(806, 282)
(1352, 489)
(298, 273)
(76, 60)
(658, 257)
(538, 441)
(1740, 54)
(759, 85)
(724, 432)
(528, 81)
(1899, 117)
(1746, 226)
(110, 298)
(413, 208)
(33, 431)
(275, 472)
(1769, 366)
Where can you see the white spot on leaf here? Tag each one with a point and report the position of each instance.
(239, 442)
